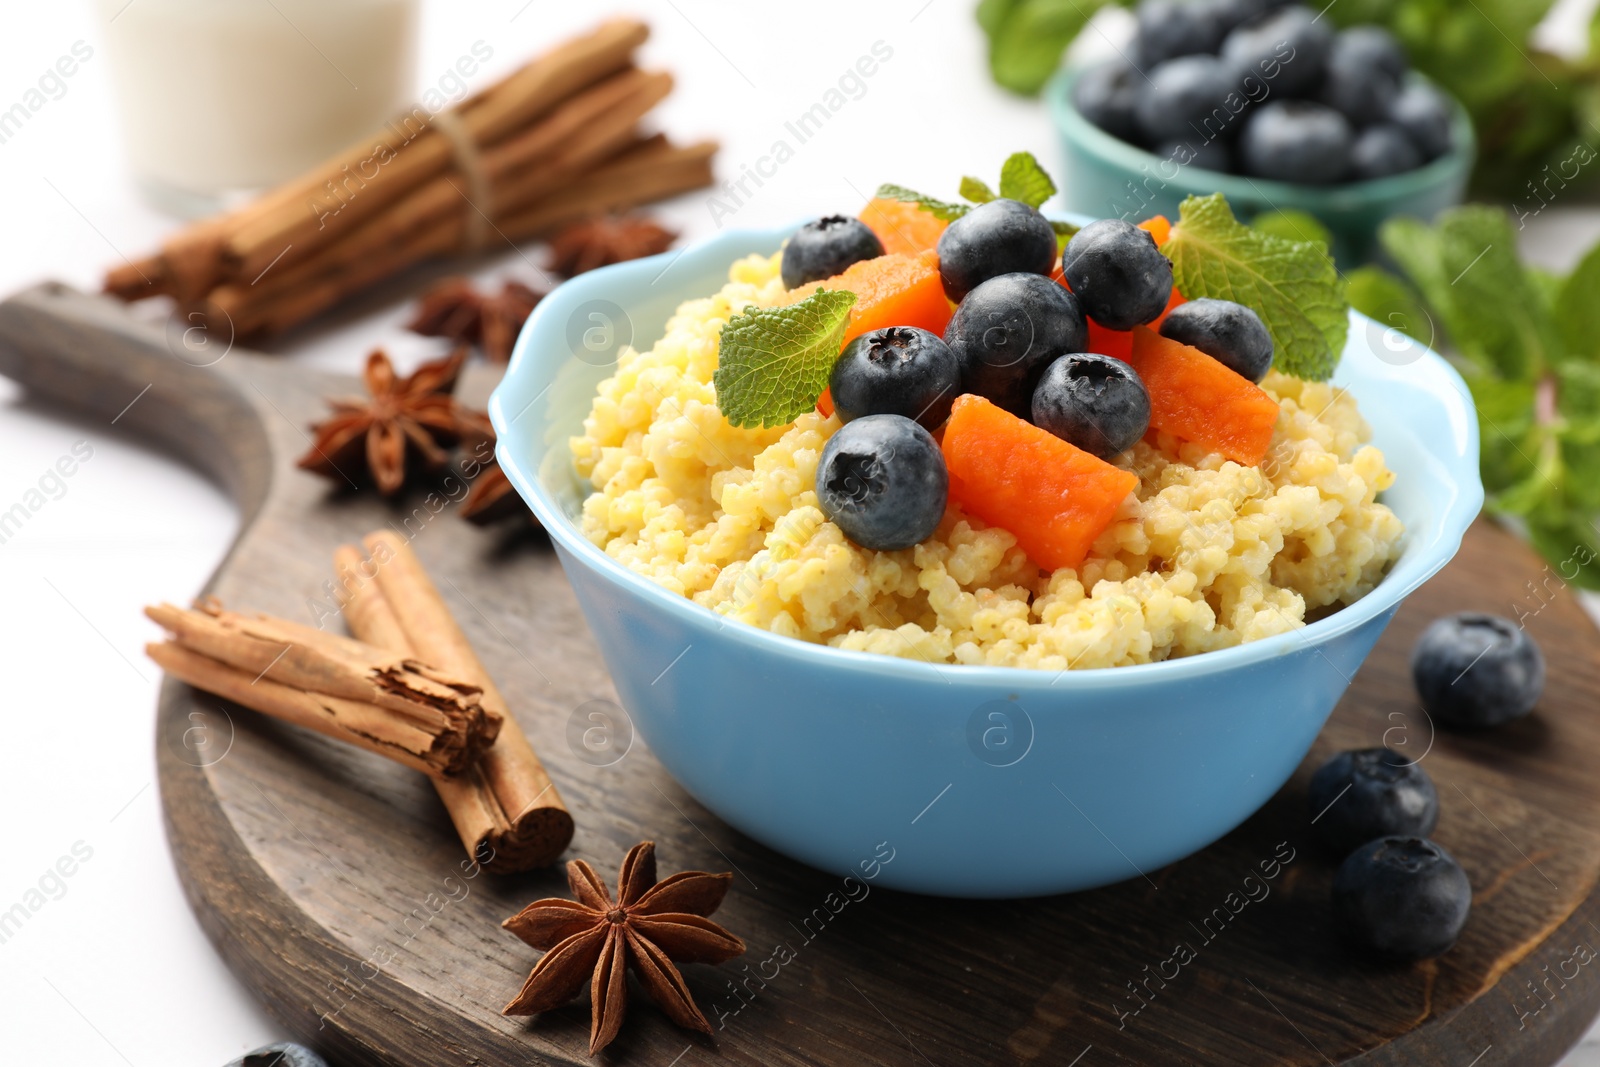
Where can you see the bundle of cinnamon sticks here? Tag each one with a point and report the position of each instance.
(556, 141)
(408, 686)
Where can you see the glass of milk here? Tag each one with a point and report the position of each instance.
(223, 98)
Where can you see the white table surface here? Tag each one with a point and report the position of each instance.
(113, 970)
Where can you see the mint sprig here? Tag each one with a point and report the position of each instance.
(1021, 178)
(940, 208)
(773, 363)
(1292, 285)
(1528, 345)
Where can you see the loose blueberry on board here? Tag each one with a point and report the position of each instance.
(1230, 333)
(1207, 155)
(1474, 670)
(1008, 330)
(1356, 87)
(900, 370)
(1292, 41)
(1119, 276)
(1424, 113)
(1369, 793)
(1296, 141)
(1184, 99)
(282, 1054)
(882, 480)
(1092, 401)
(1107, 94)
(1000, 237)
(1172, 28)
(1382, 150)
(1403, 898)
(825, 247)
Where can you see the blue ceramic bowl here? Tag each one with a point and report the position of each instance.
(1106, 176)
(978, 781)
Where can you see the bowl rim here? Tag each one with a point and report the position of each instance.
(1238, 188)
(1409, 572)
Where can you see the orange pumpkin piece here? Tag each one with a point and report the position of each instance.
(1053, 496)
(825, 404)
(899, 289)
(1198, 399)
(902, 226)
(1159, 227)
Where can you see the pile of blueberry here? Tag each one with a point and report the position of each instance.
(1396, 893)
(1270, 90)
(1017, 338)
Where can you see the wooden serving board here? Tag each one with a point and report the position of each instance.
(332, 882)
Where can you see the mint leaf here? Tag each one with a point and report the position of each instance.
(941, 209)
(1293, 225)
(1021, 178)
(1577, 306)
(1567, 539)
(1501, 319)
(976, 191)
(1027, 38)
(1064, 233)
(773, 363)
(1292, 285)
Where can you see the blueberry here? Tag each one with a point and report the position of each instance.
(1287, 49)
(1382, 150)
(1370, 46)
(1369, 793)
(1474, 670)
(1230, 333)
(1425, 114)
(900, 370)
(1117, 273)
(1184, 99)
(1008, 330)
(282, 1054)
(1000, 237)
(1296, 141)
(1107, 94)
(825, 247)
(1204, 155)
(1404, 898)
(882, 480)
(1095, 402)
(1172, 28)
(1357, 87)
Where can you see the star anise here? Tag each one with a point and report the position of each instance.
(646, 928)
(492, 498)
(596, 242)
(455, 309)
(401, 418)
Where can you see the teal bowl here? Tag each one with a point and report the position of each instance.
(1106, 177)
(960, 781)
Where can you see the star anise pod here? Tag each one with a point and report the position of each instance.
(597, 939)
(492, 498)
(455, 309)
(596, 242)
(401, 418)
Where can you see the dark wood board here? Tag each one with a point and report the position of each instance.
(332, 883)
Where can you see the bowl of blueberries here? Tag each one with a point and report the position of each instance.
(1270, 105)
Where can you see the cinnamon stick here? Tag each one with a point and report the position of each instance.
(506, 809)
(430, 720)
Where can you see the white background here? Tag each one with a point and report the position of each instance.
(116, 972)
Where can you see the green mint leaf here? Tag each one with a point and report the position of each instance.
(1577, 306)
(1064, 233)
(773, 363)
(992, 14)
(1293, 225)
(976, 191)
(941, 209)
(1029, 37)
(1505, 428)
(1495, 311)
(1580, 459)
(1021, 178)
(1292, 285)
(1578, 386)
(1567, 539)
